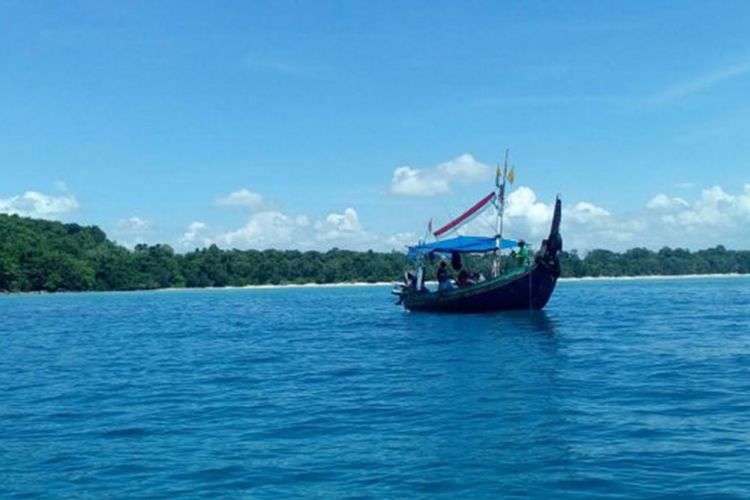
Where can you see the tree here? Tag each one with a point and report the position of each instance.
(46, 255)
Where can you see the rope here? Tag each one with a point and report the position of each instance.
(531, 285)
(484, 219)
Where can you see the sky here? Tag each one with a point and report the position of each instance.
(320, 124)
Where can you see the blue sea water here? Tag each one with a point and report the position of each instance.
(619, 389)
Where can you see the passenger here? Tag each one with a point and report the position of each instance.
(444, 282)
(513, 257)
(523, 253)
(411, 280)
(465, 278)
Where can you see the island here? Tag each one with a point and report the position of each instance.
(42, 255)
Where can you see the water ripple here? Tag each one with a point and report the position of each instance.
(617, 390)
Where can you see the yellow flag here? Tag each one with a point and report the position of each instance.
(511, 174)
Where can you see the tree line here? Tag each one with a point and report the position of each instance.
(41, 255)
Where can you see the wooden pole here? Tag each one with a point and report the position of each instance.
(499, 218)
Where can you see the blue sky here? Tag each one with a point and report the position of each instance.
(257, 124)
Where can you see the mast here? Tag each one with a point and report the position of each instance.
(499, 211)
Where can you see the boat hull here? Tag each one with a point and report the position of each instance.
(529, 289)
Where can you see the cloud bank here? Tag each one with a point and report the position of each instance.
(274, 229)
(408, 181)
(197, 235)
(243, 198)
(715, 217)
(38, 205)
(133, 231)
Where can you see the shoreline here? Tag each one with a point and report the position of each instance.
(390, 283)
(271, 287)
(656, 277)
(356, 284)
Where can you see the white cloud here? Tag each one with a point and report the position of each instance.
(715, 209)
(400, 241)
(524, 217)
(338, 226)
(242, 199)
(716, 217)
(38, 205)
(134, 225)
(588, 212)
(196, 235)
(412, 182)
(408, 181)
(529, 218)
(743, 201)
(524, 211)
(269, 229)
(275, 229)
(699, 84)
(133, 231)
(662, 201)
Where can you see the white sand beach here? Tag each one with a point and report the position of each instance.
(657, 277)
(389, 283)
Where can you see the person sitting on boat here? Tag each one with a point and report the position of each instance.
(444, 281)
(411, 280)
(523, 253)
(465, 278)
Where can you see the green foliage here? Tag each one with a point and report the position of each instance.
(39, 255)
(665, 262)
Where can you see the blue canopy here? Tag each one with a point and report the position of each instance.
(461, 244)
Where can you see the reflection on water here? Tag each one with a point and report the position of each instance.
(534, 321)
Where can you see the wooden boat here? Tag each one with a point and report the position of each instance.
(528, 286)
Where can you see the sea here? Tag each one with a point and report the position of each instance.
(618, 389)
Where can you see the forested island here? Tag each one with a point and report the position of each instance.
(41, 255)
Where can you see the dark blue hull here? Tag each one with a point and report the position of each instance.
(530, 289)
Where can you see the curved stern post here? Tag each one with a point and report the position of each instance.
(549, 252)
